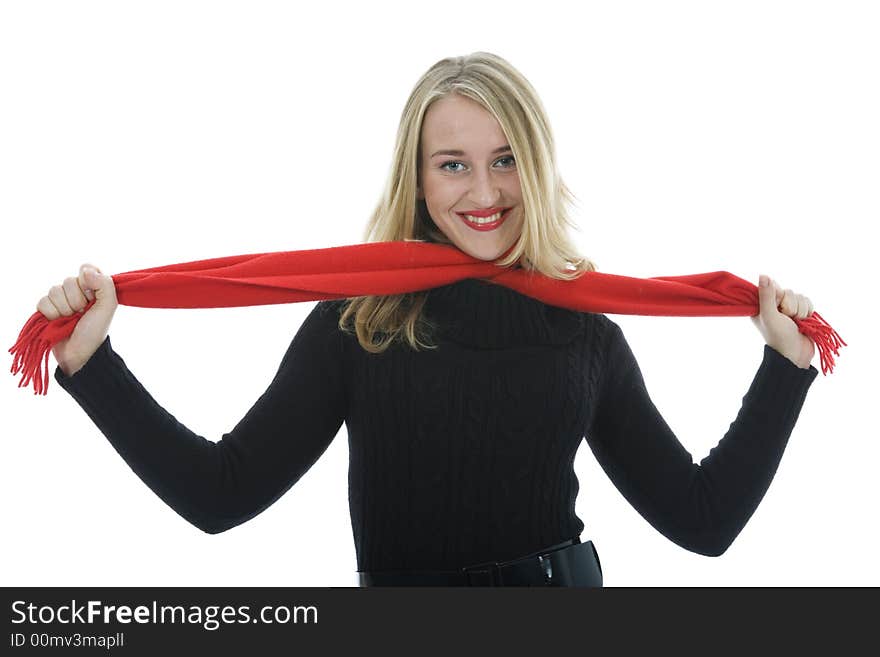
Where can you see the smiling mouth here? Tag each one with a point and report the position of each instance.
(485, 223)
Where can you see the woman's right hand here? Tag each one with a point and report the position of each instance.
(72, 296)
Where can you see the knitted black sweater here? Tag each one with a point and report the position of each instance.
(462, 454)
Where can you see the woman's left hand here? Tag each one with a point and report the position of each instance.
(777, 307)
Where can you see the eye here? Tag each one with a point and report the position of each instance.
(446, 164)
(507, 157)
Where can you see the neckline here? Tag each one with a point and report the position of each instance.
(479, 313)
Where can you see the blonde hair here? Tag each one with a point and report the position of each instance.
(544, 244)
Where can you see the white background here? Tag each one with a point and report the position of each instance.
(697, 137)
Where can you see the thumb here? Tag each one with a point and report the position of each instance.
(99, 286)
(767, 294)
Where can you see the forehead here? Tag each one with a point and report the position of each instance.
(460, 123)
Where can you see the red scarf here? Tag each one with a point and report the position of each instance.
(385, 268)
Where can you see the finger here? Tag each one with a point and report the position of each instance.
(57, 297)
(89, 265)
(767, 300)
(805, 308)
(801, 306)
(778, 292)
(74, 294)
(87, 291)
(48, 309)
(788, 304)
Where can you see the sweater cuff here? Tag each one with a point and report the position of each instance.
(108, 392)
(782, 381)
(97, 369)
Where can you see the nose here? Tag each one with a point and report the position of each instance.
(485, 192)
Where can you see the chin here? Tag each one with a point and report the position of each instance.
(484, 252)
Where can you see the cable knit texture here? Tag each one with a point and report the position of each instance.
(462, 454)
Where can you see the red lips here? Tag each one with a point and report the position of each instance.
(483, 213)
(492, 225)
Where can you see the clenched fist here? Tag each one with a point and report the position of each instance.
(774, 321)
(73, 296)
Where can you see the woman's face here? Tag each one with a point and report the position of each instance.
(467, 166)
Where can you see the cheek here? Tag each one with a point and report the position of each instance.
(441, 206)
(440, 187)
(518, 223)
(514, 191)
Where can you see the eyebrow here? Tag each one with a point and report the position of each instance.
(500, 149)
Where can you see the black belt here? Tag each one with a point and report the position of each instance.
(570, 563)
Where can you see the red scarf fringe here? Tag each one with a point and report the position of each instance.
(385, 268)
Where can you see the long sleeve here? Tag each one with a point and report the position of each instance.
(218, 485)
(701, 508)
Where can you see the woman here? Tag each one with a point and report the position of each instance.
(465, 404)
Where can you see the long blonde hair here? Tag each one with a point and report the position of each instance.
(544, 244)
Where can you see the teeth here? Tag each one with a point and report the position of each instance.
(483, 220)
